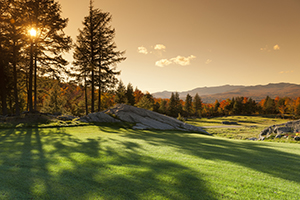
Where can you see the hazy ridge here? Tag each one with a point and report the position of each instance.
(257, 92)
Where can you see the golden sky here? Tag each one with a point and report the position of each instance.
(178, 45)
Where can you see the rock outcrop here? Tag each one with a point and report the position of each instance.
(99, 117)
(280, 129)
(142, 118)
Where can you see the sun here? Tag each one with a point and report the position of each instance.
(32, 32)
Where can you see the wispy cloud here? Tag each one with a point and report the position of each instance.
(286, 72)
(208, 61)
(179, 60)
(183, 61)
(142, 50)
(276, 47)
(163, 62)
(267, 49)
(160, 47)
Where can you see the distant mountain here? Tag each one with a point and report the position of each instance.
(257, 93)
(201, 91)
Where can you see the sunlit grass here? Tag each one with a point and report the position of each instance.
(246, 127)
(115, 162)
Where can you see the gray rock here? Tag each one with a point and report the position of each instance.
(253, 139)
(229, 123)
(66, 117)
(146, 119)
(281, 130)
(297, 138)
(99, 117)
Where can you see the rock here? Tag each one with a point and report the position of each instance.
(146, 119)
(266, 131)
(66, 117)
(99, 117)
(297, 138)
(229, 123)
(282, 130)
(253, 139)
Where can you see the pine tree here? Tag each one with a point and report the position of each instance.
(49, 43)
(188, 106)
(130, 95)
(95, 53)
(120, 93)
(174, 107)
(197, 104)
(163, 107)
(55, 101)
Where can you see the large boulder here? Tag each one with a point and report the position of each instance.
(280, 129)
(99, 117)
(146, 119)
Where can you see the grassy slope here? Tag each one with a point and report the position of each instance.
(106, 162)
(250, 126)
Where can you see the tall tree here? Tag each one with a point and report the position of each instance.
(130, 94)
(188, 106)
(47, 44)
(120, 93)
(174, 107)
(197, 104)
(95, 52)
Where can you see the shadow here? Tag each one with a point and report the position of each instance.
(259, 156)
(53, 163)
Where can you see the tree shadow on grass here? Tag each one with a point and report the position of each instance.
(52, 164)
(259, 156)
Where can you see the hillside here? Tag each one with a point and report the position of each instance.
(258, 92)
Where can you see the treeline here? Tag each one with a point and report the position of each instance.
(32, 45)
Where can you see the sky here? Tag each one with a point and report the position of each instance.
(179, 45)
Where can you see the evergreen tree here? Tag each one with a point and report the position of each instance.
(146, 103)
(174, 107)
(130, 95)
(269, 106)
(197, 104)
(163, 107)
(95, 52)
(237, 106)
(188, 106)
(55, 101)
(49, 43)
(120, 93)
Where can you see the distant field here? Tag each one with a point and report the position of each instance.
(249, 126)
(116, 162)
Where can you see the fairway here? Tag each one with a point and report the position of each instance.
(116, 162)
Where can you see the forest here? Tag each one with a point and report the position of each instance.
(34, 76)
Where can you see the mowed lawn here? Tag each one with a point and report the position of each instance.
(116, 162)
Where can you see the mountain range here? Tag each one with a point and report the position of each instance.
(257, 92)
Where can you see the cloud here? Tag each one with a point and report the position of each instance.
(163, 62)
(267, 49)
(276, 47)
(160, 47)
(208, 61)
(286, 72)
(142, 50)
(183, 61)
(180, 60)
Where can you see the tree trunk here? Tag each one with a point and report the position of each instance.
(99, 90)
(85, 95)
(29, 95)
(35, 79)
(3, 90)
(15, 80)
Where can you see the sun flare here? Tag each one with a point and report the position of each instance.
(32, 32)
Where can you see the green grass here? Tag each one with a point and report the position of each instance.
(249, 126)
(116, 162)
